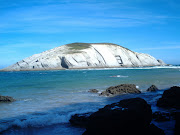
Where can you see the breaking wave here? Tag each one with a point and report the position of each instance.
(120, 76)
(153, 67)
(41, 119)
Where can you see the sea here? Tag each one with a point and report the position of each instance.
(46, 100)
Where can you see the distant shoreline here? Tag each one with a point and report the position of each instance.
(93, 68)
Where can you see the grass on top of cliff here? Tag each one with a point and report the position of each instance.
(78, 46)
(75, 47)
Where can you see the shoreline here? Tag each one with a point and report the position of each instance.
(165, 113)
(75, 99)
(120, 97)
(94, 68)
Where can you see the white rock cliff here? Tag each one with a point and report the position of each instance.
(85, 55)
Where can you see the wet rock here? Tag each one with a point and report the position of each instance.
(161, 116)
(154, 130)
(120, 89)
(6, 99)
(170, 98)
(152, 88)
(80, 120)
(177, 125)
(129, 116)
(93, 91)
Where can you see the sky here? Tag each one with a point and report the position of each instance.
(29, 27)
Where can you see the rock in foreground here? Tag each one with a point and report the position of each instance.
(129, 116)
(6, 99)
(80, 119)
(170, 98)
(177, 125)
(161, 116)
(120, 89)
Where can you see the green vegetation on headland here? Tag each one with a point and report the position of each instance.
(78, 46)
(75, 47)
(81, 46)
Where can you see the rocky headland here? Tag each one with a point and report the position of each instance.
(85, 55)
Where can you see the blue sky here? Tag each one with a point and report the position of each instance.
(28, 27)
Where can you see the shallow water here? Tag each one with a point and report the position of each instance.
(47, 99)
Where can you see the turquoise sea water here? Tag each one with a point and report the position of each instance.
(47, 99)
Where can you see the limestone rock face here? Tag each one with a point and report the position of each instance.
(162, 62)
(85, 55)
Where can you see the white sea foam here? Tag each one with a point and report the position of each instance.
(120, 76)
(41, 119)
(154, 67)
(100, 91)
(118, 108)
(42, 73)
(28, 99)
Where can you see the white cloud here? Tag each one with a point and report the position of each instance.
(60, 17)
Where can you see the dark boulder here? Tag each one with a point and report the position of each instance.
(120, 89)
(170, 98)
(6, 99)
(154, 130)
(129, 116)
(161, 116)
(152, 88)
(177, 125)
(80, 120)
(93, 91)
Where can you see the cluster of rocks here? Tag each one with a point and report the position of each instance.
(6, 99)
(129, 116)
(122, 89)
(171, 99)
